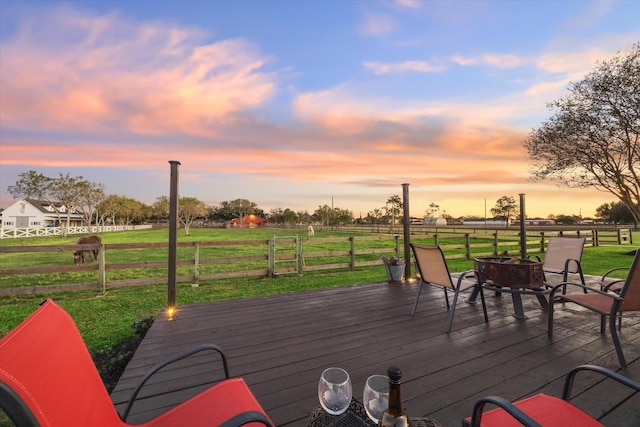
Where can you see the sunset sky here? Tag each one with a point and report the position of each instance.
(295, 104)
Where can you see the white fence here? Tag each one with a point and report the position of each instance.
(14, 233)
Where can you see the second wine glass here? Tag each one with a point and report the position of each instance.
(334, 390)
(375, 396)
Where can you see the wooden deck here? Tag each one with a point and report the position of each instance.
(280, 344)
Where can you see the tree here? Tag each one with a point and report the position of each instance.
(376, 217)
(122, 210)
(91, 195)
(304, 217)
(342, 216)
(430, 214)
(394, 208)
(31, 185)
(614, 212)
(238, 208)
(593, 138)
(324, 215)
(567, 219)
(189, 209)
(505, 207)
(160, 209)
(289, 216)
(65, 194)
(284, 216)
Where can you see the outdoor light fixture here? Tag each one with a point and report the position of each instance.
(170, 312)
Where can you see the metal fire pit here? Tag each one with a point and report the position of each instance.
(510, 272)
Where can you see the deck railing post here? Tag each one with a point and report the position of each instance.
(523, 228)
(173, 235)
(407, 231)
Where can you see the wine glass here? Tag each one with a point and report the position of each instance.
(334, 390)
(375, 396)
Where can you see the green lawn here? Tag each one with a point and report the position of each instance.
(106, 320)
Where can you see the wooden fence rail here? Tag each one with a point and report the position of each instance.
(211, 260)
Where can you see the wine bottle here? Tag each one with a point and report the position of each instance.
(394, 416)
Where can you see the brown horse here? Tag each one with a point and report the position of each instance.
(78, 256)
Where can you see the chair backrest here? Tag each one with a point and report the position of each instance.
(45, 362)
(631, 289)
(559, 250)
(432, 265)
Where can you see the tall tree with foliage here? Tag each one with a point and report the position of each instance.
(122, 210)
(283, 216)
(91, 195)
(375, 216)
(394, 207)
(65, 194)
(324, 215)
(430, 213)
(190, 209)
(505, 208)
(615, 213)
(238, 208)
(593, 138)
(160, 209)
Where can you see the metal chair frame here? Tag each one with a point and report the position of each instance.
(436, 273)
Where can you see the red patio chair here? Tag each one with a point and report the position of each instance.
(47, 378)
(541, 409)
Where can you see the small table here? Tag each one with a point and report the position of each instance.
(356, 416)
(513, 276)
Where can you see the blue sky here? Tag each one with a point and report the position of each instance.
(291, 104)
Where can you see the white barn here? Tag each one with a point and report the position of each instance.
(30, 213)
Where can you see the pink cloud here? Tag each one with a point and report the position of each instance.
(115, 74)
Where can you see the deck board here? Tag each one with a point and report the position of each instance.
(280, 344)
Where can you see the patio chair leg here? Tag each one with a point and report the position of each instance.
(453, 310)
(415, 306)
(582, 278)
(614, 335)
(603, 323)
(484, 305)
(446, 297)
(620, 321)
(550, 316)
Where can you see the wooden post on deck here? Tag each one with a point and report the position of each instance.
(523, 229)
(407, 231)
(173, 235)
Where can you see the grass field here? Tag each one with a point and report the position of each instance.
(106, 320)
